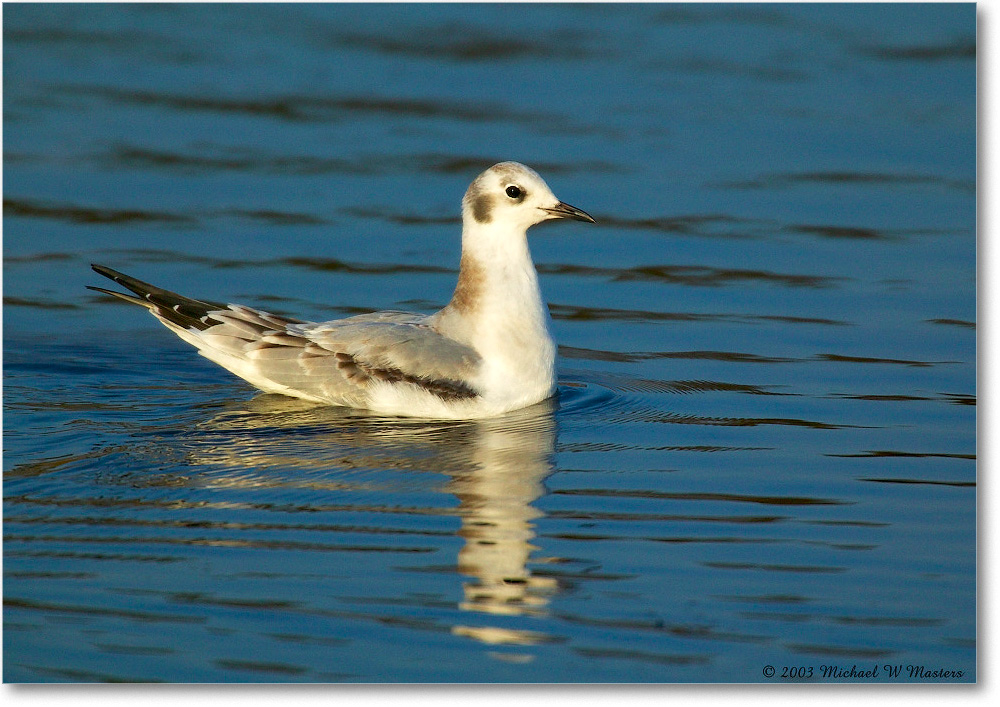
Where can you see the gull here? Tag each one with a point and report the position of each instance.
(489, 351)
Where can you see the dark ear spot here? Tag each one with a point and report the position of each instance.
(482, 208)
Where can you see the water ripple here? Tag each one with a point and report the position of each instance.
(586, 314)
(691, 275)
(307, 108)
(960, 49)
(701, 225)
(465, 43)
(861, 179)
(90, 214)
(220, 158)
(703, 496)
(632, 356)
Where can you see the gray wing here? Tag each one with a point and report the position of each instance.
(338, 360)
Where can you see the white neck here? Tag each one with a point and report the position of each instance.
(497, 307)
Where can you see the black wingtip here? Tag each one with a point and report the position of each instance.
(167, 305)
(106, 271)
(143, 289)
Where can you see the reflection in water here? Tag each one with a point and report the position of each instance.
(496, 467)
(508, 460)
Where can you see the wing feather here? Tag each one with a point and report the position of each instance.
(408, 346)
(343, 358)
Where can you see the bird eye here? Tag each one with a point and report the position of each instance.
(514, 192)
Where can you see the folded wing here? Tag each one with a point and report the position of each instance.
(336, 362)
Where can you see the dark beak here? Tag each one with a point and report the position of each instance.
(562, 210)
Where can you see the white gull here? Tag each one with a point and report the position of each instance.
(487, 352)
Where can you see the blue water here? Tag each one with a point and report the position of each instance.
(762, 452)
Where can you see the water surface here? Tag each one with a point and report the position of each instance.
(763, 447)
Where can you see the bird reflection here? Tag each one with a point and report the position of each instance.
(508, 461)
(495, 467)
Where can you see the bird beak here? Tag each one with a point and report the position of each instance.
(562, 210)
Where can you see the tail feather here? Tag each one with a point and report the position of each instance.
(122, 295)
(170, 306)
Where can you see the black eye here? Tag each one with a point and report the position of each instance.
(514, 192)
